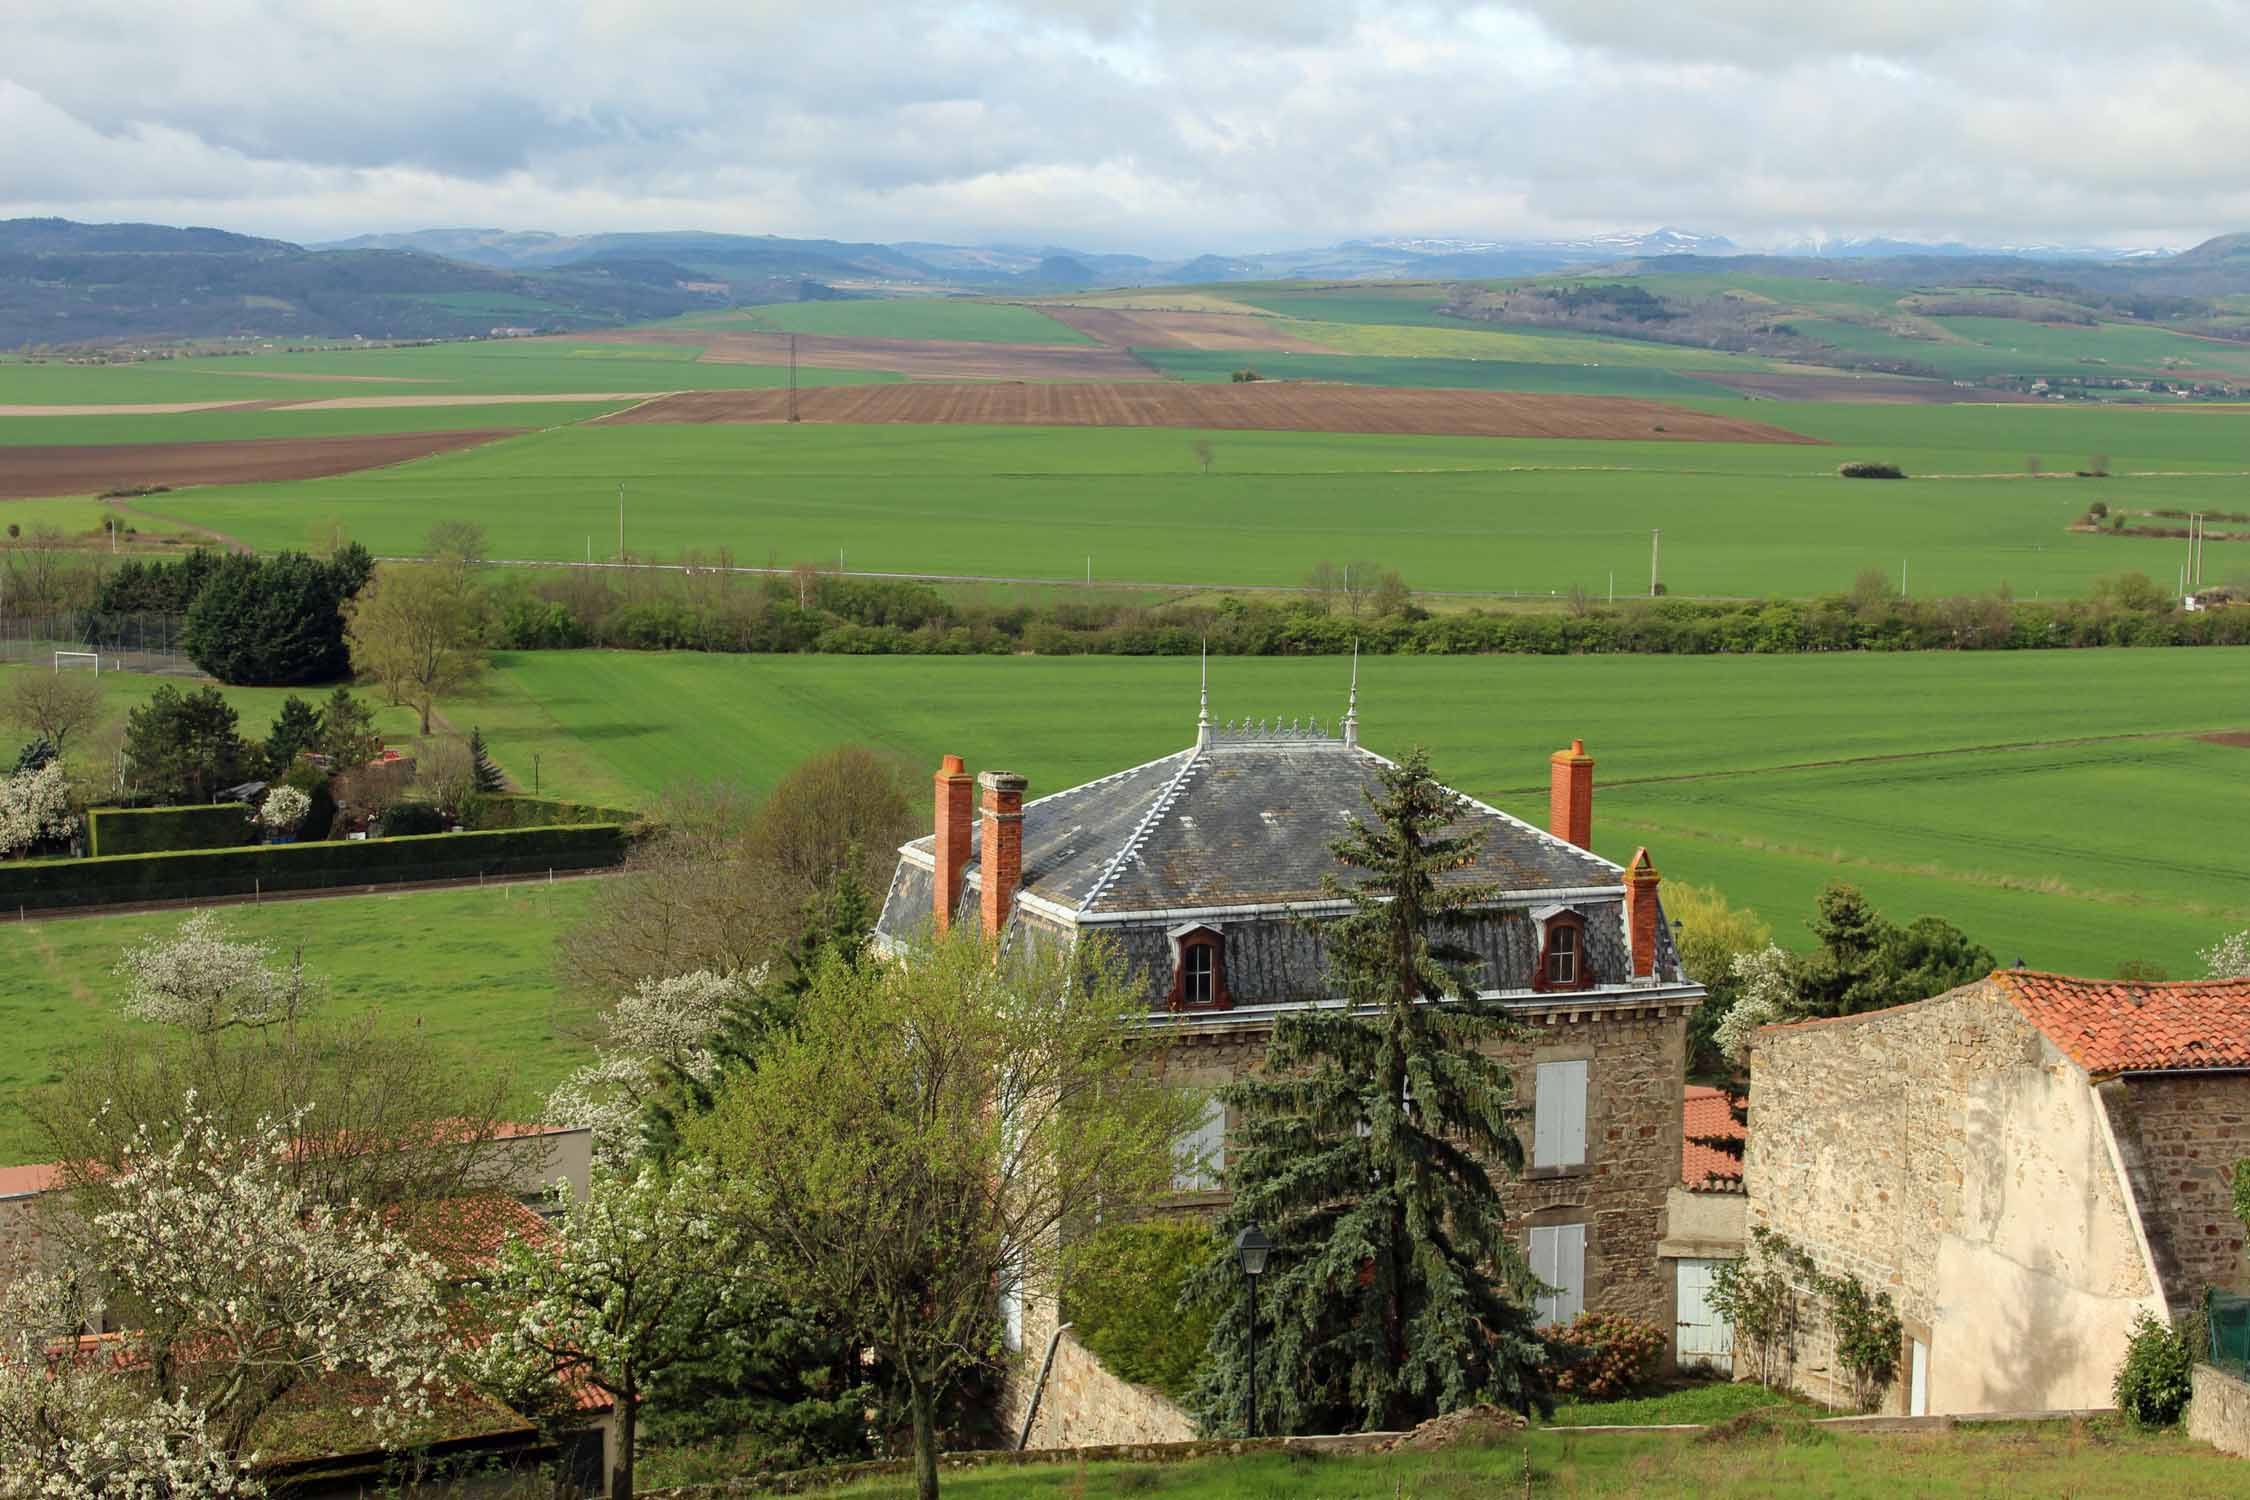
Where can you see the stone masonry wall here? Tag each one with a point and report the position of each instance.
(2219, 1412)
(2191, 1131)
(1948, 1154)
(1086, 1406)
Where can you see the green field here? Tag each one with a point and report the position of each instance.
(1470, 514)
(944, 319)
(1472, 374)
(1938, 782)
(2106, 1462)
(284, 422)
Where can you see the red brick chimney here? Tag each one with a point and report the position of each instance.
(1570, 795)
(1641, 913)
(956, 812)
(1002, 870)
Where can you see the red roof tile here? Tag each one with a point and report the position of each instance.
(1708, 1114)
(2124, 1026)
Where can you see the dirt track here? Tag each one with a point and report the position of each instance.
(919, 359)
(1272, 406)
(1184, 330)
(1883, 389)
(26, 473)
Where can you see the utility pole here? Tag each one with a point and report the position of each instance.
(1613, 585)
(1903, 565)
(792, 377)
(620, 522)
(1655, 556)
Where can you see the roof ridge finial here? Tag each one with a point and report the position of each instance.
(1203, 712)
(1351, 702)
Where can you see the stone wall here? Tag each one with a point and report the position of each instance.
(1085, 1406)
(1948, 1154)
(2219, 1413)
(2190, 1131)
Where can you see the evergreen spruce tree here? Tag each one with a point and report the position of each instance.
(296, 728)
(488, 777)
(1367, 1148)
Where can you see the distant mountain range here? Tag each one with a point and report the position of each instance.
(66, 284)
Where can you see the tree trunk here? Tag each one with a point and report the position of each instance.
(628, 1425)
(425, 708)
(923, 1403)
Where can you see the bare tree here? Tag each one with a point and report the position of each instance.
(1390, 596)
(54, 705)
(1203, 453)
(1322, 583)
(416, 629)
(459, 542)
(1358, 586)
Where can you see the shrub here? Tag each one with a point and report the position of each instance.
(1602, 1356)
(405, 819)
(1864, 469)
(1868, 1335)
(2154, 1382)
(1123, 1299)
(163, 830)
(2098, 509)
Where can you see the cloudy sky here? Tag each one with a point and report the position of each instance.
(1171, 126)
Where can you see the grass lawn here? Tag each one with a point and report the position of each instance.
(2102, 1463)
(1450, 513)
(1932, 780)
(471, 969)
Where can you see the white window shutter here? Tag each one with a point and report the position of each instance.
(1198, 1162)
(1570, 1271)
(1558, 1118)
(1572, 1076)
(1543, 1267)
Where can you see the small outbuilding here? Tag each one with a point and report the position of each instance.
(2025, 1164)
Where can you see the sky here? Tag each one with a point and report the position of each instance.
(1164, 127)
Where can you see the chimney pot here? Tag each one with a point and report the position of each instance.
(1570, 795)
(955, 817)
(1642, 919)
(1001, 873)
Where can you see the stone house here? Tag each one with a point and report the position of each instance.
(1202, 866)
(1703, 1227)
(2025, 1163)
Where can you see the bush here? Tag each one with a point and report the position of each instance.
(488, 810)
(2154, 1382)
(1123, 1298)
(406, 819)
(1602, 1356)
(1863, 469)
(164, 830)
(303, 866)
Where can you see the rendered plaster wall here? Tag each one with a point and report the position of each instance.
(1947, 1153)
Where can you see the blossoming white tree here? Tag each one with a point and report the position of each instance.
(663, 1024)
(1769, 994)
(2229, 957)
(203, 981)
(242, 1287)
(643, 1274)
(284, 809)
(34, 806)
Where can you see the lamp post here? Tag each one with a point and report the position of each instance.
(1250, 1247)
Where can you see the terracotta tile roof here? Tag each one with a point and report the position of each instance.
(1708, 1114)
(22, 1182)
(2123, 1026)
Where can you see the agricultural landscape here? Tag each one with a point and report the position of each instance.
(1875, 575)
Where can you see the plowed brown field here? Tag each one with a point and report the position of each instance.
(922, 361)
(1184, 330)
(88, 470)
(1272, 406)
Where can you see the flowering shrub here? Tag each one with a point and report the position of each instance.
(200, 980)
(284, 810)
(1602, 1356)
(1769, 994)
(34, 807)
(663, 1025)
(2229, 957)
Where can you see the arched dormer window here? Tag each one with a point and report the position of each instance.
(1562, 962)
(1199, 969)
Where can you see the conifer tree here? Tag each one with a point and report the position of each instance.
(485, 769)
(1367, 1150)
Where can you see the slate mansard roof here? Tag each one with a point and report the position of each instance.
(1245, 820)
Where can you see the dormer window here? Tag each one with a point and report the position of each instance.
(1562, 963)
(1199, 969)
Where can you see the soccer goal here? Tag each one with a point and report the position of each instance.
(78, 661)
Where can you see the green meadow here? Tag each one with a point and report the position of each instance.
(471, 970)
(944, 319)
(1467, 514)
(1461, 374)
(2055, 804)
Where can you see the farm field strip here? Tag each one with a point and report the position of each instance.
(29, 472)
(932, 319)
(266, 420)
(1260, 406)
(1473, 515)
(919, 359)
(1946, 810)
(1136, 329)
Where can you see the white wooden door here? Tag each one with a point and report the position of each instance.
(1918, 1381)
(1706, 1338)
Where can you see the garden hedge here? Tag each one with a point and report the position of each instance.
(489, 810)
(113, 879)
(164, 830)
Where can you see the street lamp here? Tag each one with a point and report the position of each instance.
(1250, 1247)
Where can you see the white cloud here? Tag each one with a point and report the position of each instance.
(1167, 125)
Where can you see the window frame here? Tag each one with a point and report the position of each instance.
(1552, 920)
(1213, 942)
